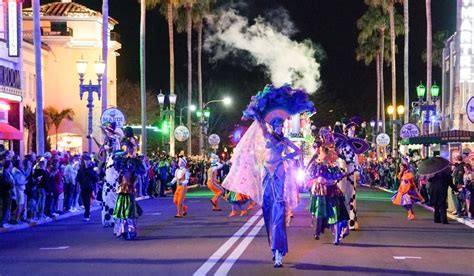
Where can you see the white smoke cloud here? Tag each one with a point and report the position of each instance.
(287, 61)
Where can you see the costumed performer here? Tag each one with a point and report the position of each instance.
(236, 201)
(181, 178)
(213, 182)
(327, 200)
(111, 145)
(407, 193)
(126, 209)
(264, 152)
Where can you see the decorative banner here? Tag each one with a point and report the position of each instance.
(214, 140)
(409, 130)
(14, 38)
(470, 109)
(181, 133)
(111, 115)
(383, 139)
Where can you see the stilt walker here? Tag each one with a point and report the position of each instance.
(259, 160)
(181, 178)
(126, 209)
(213, 182)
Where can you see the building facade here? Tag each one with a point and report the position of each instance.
(458, 72)
(69, 32)
(11, 84)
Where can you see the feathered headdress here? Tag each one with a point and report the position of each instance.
(278, 102)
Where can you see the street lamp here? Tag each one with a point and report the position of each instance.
(400, 110)
(203, 115)
(168, 114)
(192, 108)
(81, 66)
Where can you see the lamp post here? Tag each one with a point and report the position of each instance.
(192, 108)
(168, 114)
(400, 110)
(203, 115)
(427, 108)
(81, 66)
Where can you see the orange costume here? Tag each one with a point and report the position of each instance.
(181, 178)
(213, 183)
(407, 193)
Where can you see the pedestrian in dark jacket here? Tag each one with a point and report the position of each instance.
(87, 179)
(6, 187)
(439, 194)
(41, 176)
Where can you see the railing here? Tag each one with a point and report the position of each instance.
(47, 31)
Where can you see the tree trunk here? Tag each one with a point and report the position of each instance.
(143, 76)
(201, 137)
(39, 79)
(56, 133)
(378, 92)
(382, 85)
(171, 45)
(105, 50)
(429, 50)
(405, 62)
(189, 23)
(394, 78)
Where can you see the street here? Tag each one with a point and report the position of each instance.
(210, 243)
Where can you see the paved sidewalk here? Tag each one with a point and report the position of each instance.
(464, 221)
(33, 223)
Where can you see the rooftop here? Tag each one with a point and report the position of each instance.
(66, 9)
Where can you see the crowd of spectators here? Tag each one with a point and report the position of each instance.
(43, 187)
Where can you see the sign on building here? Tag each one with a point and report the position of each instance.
(409, 130)
(467, 41)
(470, 109)
(111, 115)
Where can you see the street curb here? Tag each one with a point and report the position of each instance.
(60, 217)
(431, 209)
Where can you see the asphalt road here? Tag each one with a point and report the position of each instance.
(210, 243)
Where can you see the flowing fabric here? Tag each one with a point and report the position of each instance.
(126, 213)
(245, 175)
(291, 184)
(274, 211)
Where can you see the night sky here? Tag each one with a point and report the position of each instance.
(348, 86)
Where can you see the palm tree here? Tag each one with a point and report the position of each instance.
(105, 50)
(168, 7)
(429, 49)
(405, 61)
(143, 5)
(372, 38)
(202, 10)
(55, 117)
(437, 48)
(39, 77)
(29, 122)
(388, 5)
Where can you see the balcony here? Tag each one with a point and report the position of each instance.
(48, 32)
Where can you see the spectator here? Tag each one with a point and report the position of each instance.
(41, 175)
(163, 169)
(87, 179)
(458, 178)
(57, 178)
(6, 188)
(70, 187)
(439, 194)
(20, 178)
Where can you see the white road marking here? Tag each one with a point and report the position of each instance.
(234, 256)
(209, 264)
(405, 257)
(155, 214)
(54, 248)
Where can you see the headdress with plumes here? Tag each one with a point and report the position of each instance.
(278, 102)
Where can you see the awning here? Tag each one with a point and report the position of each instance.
(7, 132)
(451, 136)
